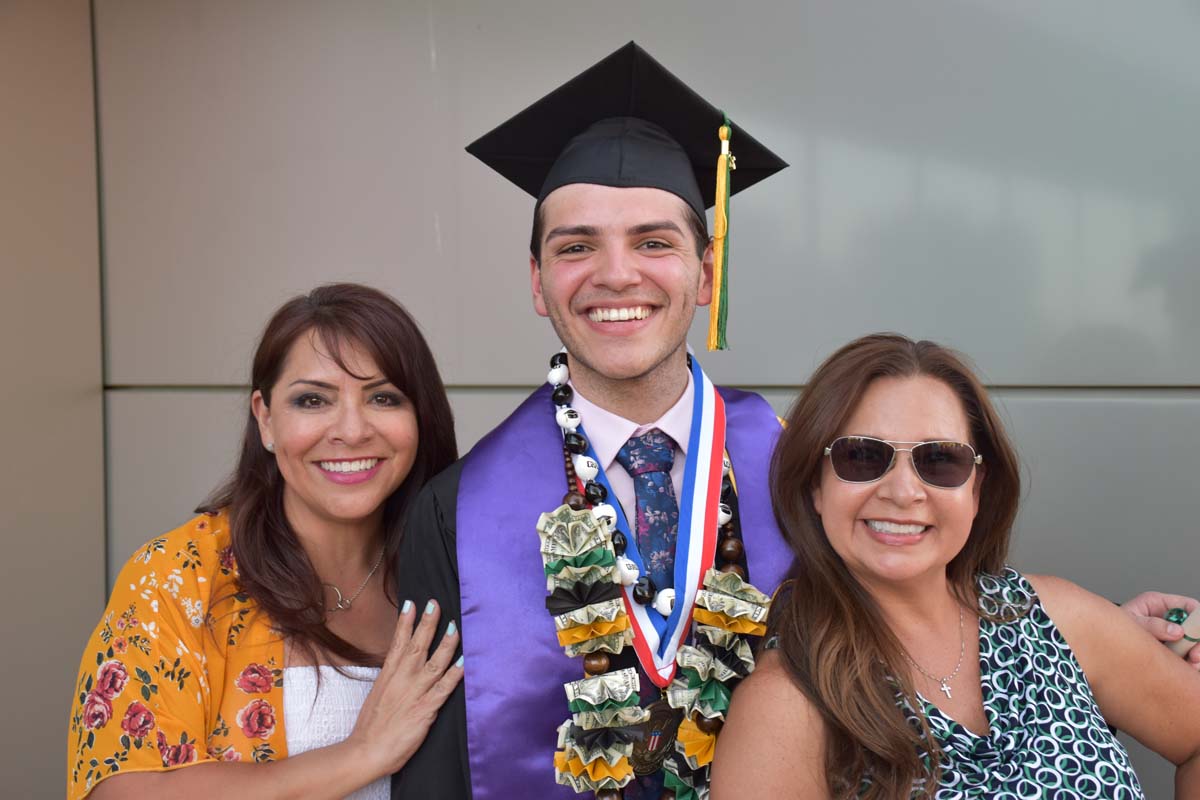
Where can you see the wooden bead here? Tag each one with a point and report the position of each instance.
(732, 549)
(707, 725)
(735, 569)
(596, 663)
(575, 500)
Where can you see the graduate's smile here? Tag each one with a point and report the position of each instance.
(619, 277)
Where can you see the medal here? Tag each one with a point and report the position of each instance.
(659, 742)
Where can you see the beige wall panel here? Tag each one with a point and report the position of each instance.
(52, 479)
(252, 149)
(166, 451)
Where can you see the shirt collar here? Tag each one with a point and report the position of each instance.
(607, 432)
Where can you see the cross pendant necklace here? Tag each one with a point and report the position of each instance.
(944, 682)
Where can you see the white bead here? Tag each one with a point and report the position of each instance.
(627, 571)
(558, 375)
(567, 418)
(605, 513)
(585, 467)
(725, 465)
(724, 513)
(664, 602)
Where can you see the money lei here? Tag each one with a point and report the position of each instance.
(607, 703)
(597, 741)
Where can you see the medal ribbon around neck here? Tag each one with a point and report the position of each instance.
(656, 638)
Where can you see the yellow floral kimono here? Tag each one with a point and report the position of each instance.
(181, 669)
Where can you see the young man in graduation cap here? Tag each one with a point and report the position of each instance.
(626, 500)
(608, 548)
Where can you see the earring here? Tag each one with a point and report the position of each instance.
(270, 447)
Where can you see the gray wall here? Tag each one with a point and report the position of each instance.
(1013, 179)
(51, 421)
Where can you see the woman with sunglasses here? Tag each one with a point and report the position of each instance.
(905, 658)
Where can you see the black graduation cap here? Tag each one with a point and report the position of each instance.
(625, 121)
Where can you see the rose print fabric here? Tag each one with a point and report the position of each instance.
(181, 670)
(648, 460)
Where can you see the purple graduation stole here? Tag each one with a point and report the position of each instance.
(515, 667)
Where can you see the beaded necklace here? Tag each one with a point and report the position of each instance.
(610, 738)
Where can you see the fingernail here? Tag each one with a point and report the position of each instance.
(429, 607)
(1174, 630)
(407, 607)
(459, 662)
(451, 629)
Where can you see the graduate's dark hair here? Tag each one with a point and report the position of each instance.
(833, 638)
(273, 568)
(697, 224)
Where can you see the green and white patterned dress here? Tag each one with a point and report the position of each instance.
(1048, 738)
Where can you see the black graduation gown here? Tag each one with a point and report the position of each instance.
(428, 569)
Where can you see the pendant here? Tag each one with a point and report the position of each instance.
(659, 742)
(946, 686)
(341, 604)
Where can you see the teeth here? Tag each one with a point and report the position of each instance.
(361, 465)
(618, 314)
(880, 526)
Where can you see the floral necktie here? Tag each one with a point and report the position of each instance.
(648, 459)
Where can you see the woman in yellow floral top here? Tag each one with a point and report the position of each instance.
(282, 570)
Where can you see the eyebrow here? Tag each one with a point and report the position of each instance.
(331, 387)
(651, 227)
(573, 230)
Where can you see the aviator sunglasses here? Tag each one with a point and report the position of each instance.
(863, 459)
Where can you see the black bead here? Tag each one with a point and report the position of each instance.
(558, 359)
(618, 542)
(562, 395)
(644, 590)
(595, 493)
(726, 488)
(575, 443)
(574, 500)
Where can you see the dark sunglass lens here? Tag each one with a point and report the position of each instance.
(859, 460)
(944, 464)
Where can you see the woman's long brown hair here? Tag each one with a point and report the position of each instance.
(273, 568)
(832, 635)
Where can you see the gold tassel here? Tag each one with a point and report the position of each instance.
(718, 311)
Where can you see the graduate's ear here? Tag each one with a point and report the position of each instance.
(262, 413)
(705, 293)
(535, 280)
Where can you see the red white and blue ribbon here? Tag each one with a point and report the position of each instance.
(657, 638)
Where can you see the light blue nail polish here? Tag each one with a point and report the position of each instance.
(451, 629)
(407, 607)
(429, 607)
(459, 662)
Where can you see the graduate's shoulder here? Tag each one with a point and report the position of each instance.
(437, 503)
